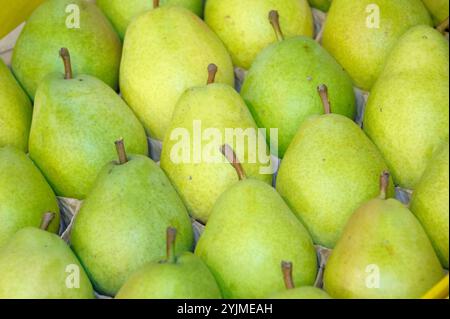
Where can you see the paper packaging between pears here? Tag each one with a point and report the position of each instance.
(69, 207)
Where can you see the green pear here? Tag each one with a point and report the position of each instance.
(177, 277)
(430, 203)
(121, 224)
(121, 13)
(15, 111)
(250, 229)
(383, 253)
(243, 27)
(329, 156)
(203, 176)
(439, 9)
(408, 109)
(280, 87)
(36, 264)
(24, 194)
(76, 24)
(361, 33)
(292, 292)
(75, 120)
(323, 5)
(165, 53)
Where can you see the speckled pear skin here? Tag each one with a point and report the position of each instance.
(301, 293)
(439, 9)
(121, 13)
(363, 50)
(15, 111)
(122, 223)
(382, 237)
(188, 278)
(75, 124)
(166, 51)
(249, 231)
(24, 195)
(95, 46)
(330, 169)
(200, 184)
(36, 264)
(407, 114)
(281, 87)
(430, 203)
(245, 29)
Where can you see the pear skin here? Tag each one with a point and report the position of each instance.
(439, 9)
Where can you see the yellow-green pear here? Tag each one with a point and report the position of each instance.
(383, 253)
(76, 119)
(407, 114)
(24, 194)
(165, 52)
(430, 203)
(122, 223)
(243, 27)
(249, 231)
(202, 120)
(361, 33)
(439, 10)
(329, 156)
(15, 111)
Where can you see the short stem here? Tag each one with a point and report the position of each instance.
(212, 71)
(274, 19)
(155, 4)
(170, 245)
(323, 92)
(443, 25)
(230, 155)
(286, 268)
(384, 184)
(120, 147)
(65, 55)
(46, 220)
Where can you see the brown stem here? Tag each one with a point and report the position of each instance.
(212, 71)
(274, 19)
(286, 268)
(384, 184)
(443, 26)
(120, 147)
(230, 155)
(155, 4)
(170, 245)
(65, 55)
(323, 92)
(46, 220)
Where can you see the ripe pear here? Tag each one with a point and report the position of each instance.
(165, 53)
(323, 5)
(76, 24)
(280, 87)
(75, 120)
(329, 156)
(36, 264)
(24, 194)
(439, 9)
(200, 180)
(121, 13)
(243, 27)
(383, 253)
(177, 277)
(291, 292)
(249, 231)
(430, 203)
(15, 111)
(361, 33)
(408, 109)
(121, 224)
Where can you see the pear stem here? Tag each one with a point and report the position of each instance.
(274, 19)
(323, 92)
(443, 26)
(212, 71)
(286, 268)
(120, 147)
(46, 220)
(230, 155)
(170, 245)
(155, 4)
(65, 55)
(384, 184)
